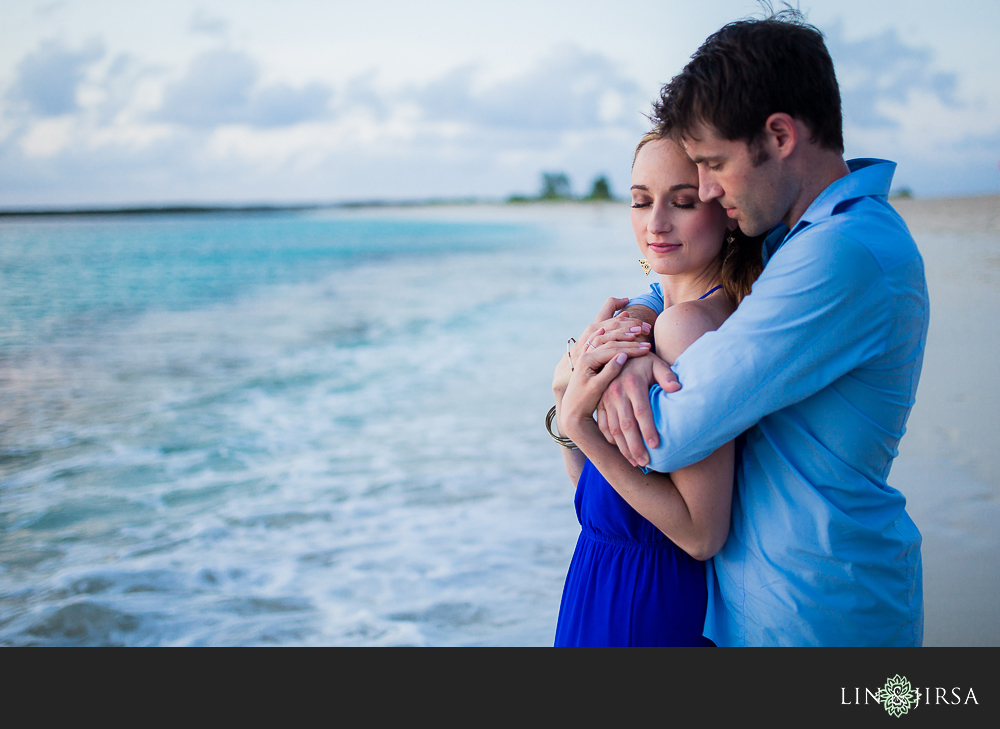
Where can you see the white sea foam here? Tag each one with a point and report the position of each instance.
(357, 459)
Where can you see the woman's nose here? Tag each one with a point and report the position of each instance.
(659, 221)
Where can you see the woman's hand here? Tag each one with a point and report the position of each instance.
(606, 328)
(561, 377)
(593, 371)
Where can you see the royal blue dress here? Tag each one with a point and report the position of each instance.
(628, 584)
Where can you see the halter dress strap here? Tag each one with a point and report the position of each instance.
(712, 291)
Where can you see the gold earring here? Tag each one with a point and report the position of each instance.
(730, 238)
(645, 265)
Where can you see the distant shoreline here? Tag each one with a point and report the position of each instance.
(353, 205)
(204, 209)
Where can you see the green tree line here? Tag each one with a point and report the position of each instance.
(556, 186)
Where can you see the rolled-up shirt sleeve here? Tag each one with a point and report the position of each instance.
(821, 308)
(653, 299)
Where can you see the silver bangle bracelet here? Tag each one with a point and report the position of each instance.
(561, 440)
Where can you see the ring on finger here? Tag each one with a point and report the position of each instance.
(569, 345)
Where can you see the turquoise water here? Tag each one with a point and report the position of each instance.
(294, 429)
(62, 276)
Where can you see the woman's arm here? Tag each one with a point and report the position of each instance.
(573, 458)
(692, 505)
(604, 329)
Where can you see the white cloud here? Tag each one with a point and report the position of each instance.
(202, 22)
(215, 127)
(221, 87)
(570, 89)
(900, 104)
(47, 78)
(879, 75)
(48, 137)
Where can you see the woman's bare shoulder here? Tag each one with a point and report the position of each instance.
(681, 324)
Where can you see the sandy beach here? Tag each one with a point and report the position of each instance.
(949, 462)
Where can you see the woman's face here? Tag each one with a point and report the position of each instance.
(676, 232)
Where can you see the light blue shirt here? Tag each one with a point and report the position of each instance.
(819, 367)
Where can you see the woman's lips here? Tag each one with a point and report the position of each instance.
(664, 247)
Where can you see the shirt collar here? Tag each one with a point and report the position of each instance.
(867, 178)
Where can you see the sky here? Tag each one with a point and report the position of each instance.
(132, 102)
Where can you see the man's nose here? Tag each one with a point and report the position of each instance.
(708, 190)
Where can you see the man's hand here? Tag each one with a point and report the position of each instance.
(637, 320)
(637, 315)
(624, 414)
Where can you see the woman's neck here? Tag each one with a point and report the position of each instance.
(689, 285)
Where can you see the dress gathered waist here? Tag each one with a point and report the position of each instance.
(588, 532)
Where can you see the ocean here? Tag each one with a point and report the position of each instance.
(327, 427)
(309, 428)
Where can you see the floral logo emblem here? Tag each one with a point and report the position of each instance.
(897, 696)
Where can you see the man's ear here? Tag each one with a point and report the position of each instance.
(781, 134)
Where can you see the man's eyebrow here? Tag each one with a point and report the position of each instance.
(698, 159)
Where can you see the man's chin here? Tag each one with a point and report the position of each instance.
(753, 228)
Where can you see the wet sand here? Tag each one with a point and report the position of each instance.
(949, 462)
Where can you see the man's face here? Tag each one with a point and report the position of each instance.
(751, 190)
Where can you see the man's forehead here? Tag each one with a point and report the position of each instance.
(704, 141)
(701, 135)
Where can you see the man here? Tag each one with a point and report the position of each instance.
(818, 367)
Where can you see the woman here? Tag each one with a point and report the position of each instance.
(637, 576)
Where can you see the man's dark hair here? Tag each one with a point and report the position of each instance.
(751, 69)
